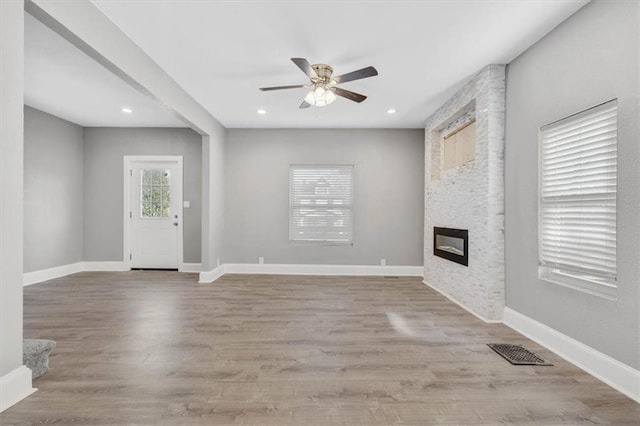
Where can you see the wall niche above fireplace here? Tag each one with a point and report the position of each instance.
(454, 143)
(451, 244)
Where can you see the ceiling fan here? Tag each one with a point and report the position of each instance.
(323, 85)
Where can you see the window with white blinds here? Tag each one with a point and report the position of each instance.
(577, 232)
(321, 203)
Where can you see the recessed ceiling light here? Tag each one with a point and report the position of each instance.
(262, 111)
(391, 111)
(127, 110)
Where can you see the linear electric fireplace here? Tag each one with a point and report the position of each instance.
(451, 244)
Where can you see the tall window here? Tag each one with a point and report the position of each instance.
(578, 168)
(321, 203)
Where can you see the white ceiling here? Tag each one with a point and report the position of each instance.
(221, 52)
(63, 81)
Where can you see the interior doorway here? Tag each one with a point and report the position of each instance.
(153, 212)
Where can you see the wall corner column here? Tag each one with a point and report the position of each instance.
(15, 379)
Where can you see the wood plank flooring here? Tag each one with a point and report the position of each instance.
(147, 347)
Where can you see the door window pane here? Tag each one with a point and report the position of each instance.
(155, 194)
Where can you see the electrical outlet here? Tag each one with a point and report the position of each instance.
(383, 261)
(218, 262)
(261, 260)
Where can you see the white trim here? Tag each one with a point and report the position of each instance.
(619, 376)
(191, 267)
(15, 386)
(584, 284)
(212, 275)
(457, 302)
(286, 269)
(35, 277)
(104, 266)
(29, 278)
(231, 268)
(126, 208)
(128, 161)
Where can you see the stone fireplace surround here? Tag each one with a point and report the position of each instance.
(470, 197)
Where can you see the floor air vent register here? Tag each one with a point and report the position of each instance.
(517, 355)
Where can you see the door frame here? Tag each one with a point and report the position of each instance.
(128, 161)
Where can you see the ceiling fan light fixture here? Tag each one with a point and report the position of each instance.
(330, 96)
(320, 96)
(310, 98)
(324, 90)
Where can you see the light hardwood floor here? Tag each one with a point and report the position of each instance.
(148, 347)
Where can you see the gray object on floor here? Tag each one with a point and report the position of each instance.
(35, 355)
(517, 354)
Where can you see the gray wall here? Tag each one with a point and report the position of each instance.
(590, 58)
(103, 190)
(388, 194)
(53, 191)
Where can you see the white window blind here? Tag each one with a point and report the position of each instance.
(321, 203)
(577, 233)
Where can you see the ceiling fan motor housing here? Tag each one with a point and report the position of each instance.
(323, 72)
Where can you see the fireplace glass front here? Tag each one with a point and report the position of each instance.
(451, 244)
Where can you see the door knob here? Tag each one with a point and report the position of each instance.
(175, 223)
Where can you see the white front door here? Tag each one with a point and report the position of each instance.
(155, 214)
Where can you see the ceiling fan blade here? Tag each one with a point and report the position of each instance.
(304, 104)
(352, 96)
(305, 66)
(266, 89)
(356, 75)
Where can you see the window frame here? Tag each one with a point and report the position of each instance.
(593, 284)
(350, 207)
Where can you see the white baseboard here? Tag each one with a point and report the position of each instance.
(457, 302)
(191, 267)
(15, 386)
(619, 376)
(95, 266)
(34, 277)
(230, 268)
(29, 278)
(104, 266)
(212, 275)
(286, 269)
